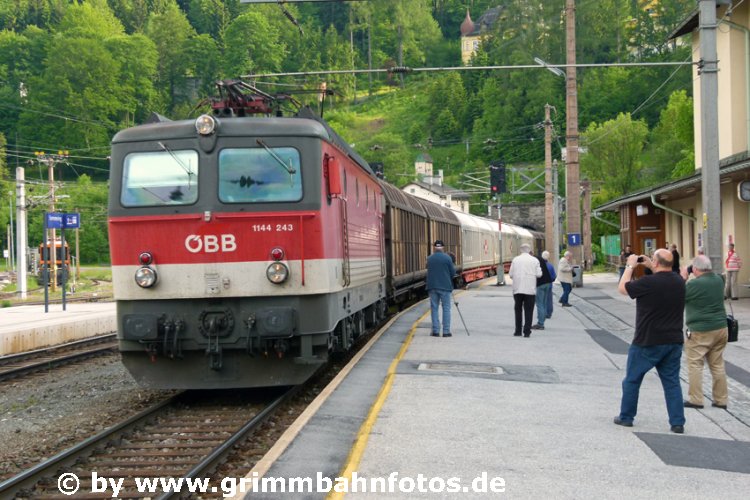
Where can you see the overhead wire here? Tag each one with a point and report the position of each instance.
(727, 13)
(62, 117)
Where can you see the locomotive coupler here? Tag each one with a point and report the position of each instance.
(253, 340)
(171, 346)
(213, 351)
(168, 329)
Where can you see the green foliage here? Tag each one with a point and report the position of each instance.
(170, 31)
(90, 200)
(19, 14)
(671, 152)
(132, 13)
(89, 20)
(212, 17)
(73, 73)
(445, 126)
(252, 46)
(614, 152)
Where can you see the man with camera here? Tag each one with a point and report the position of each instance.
(660, 301)
(707, 320)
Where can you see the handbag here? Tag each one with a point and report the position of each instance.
(732, 325)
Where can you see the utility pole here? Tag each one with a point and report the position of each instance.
(587, 252)
(501, 266)
(78, 255)
(51, 160)
(21, 232)
(8, 261)
(555, 215)
(711, 191)
(573, 208)
(549, 195)
(10, 233)
(369, 54)
(401, 52)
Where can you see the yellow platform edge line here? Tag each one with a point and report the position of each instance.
(363, 436)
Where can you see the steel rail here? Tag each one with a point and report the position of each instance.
(28, 478)
(206, 465)
(9, 365)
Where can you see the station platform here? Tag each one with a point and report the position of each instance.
(25, 328)
(533, 414)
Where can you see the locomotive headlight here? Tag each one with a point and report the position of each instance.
(277, 273)
(205, 124)
(145, 277)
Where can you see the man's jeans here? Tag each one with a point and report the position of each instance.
(549, 302)
(437, 297)
(666, 359)
(567, 287)
(542, 298)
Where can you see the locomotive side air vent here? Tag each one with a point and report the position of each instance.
(212, 283)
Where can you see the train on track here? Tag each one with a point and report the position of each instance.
(245, 249)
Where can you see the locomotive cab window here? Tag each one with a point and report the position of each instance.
(160, 178)
(260, 175)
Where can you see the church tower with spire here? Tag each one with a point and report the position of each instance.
(469, 39)
(472, 32)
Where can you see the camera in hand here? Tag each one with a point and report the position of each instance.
(640, 259)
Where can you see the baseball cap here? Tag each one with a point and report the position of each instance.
(439, 243)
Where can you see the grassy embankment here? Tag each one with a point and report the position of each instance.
(94, 282)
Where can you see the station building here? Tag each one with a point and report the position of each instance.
(431, 187)
(672, 212)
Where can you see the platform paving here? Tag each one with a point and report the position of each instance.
(536, 412)
(25, 328)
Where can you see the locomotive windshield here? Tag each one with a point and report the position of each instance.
(160, 178)
(259, 175)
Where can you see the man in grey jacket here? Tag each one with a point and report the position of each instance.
(565, 276)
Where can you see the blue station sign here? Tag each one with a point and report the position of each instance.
(574, 239)
(56, 220)
(72, 221)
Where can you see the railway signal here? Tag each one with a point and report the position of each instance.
(497, 178)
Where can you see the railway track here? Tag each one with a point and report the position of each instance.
(16, 365)
(185, 436)
(80, 297)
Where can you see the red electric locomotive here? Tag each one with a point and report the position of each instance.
(244, 249)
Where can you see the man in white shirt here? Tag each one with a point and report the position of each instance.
(524, 270)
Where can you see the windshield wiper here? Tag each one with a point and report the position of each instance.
(177, 159)
(289, 169)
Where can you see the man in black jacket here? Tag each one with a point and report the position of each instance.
(675, 259)
(543, 290)
(659, 303)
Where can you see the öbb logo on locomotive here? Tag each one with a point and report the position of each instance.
(210, 243)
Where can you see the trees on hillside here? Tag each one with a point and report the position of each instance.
(73, 73)
(94, 80)
(671, 152)
(613, 154)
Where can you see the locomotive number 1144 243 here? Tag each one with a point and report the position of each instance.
(269, 228)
